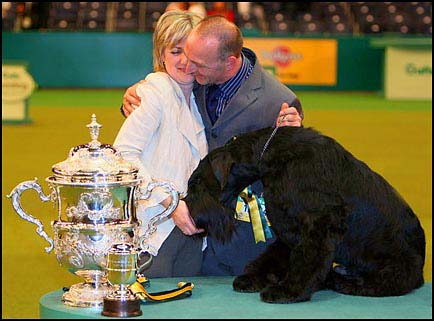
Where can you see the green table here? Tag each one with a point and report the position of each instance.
(213, 297)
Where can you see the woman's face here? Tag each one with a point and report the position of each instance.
(175, 62)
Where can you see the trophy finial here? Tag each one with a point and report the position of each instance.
(94, 132)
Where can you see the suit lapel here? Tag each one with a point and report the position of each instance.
(187, 123)
(199, 93)
(246, 95)
(189, 127)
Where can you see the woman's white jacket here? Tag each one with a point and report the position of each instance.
(165, 137)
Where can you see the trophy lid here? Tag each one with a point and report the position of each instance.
(94, 162)
(122, 249)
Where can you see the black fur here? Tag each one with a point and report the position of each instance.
(312, 186)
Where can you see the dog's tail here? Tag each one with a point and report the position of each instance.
(393, 278)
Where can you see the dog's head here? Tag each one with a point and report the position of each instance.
(214, 186)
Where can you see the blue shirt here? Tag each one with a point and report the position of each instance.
(219, 96)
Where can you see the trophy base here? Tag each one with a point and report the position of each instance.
(86, 295)
(121, 308)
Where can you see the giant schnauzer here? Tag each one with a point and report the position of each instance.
(338, 224)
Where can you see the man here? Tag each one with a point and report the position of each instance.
(234, 95)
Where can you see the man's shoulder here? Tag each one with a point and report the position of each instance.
(264, 80)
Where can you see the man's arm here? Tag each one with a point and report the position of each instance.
(288, 116)
(130, 101)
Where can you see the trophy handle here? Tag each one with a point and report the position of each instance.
(16, 203)
(151, 228)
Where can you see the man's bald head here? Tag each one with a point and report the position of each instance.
(227, 34)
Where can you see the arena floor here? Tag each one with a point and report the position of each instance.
(393, 137)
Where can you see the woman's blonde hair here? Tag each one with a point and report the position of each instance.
(172, 27)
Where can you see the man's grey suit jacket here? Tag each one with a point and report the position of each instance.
(256, 105)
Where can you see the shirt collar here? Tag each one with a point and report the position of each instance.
(230, 87)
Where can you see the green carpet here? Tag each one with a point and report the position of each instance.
(392, 137)
(217, 300)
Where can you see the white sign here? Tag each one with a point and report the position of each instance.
(17, 86)
(408, 73)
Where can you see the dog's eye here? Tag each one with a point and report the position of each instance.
(230, 140)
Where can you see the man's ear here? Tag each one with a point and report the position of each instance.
(231, 62)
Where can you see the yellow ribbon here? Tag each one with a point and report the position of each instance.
(255, 217)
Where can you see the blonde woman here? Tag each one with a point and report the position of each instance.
(165, 134)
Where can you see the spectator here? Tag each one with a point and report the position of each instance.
(222, 9)
(177, 6)
(197, 8)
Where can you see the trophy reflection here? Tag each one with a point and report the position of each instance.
(122, 271)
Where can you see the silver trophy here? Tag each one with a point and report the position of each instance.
(95, 192)
(122, 269)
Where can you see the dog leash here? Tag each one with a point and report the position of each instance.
(271, 136)
(255, 212)
(184, 290)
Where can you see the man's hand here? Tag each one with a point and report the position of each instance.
(130, 100)
(181, 217)
(288, 116)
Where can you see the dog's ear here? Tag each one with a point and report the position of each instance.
(221, 164)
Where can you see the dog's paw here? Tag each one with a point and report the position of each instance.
(281, 294)
(246, 283)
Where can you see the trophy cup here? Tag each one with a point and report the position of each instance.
(122, 269)
(95, 192)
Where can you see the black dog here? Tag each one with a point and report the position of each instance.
(339, 225)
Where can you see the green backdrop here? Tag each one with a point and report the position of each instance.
(110, 60)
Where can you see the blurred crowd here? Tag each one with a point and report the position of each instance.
(254, 17)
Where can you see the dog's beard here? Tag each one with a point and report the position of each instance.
(203, 203)
(213, 190)
(216, 219)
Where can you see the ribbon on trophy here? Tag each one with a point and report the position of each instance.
(251, 208)
(184, 290)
